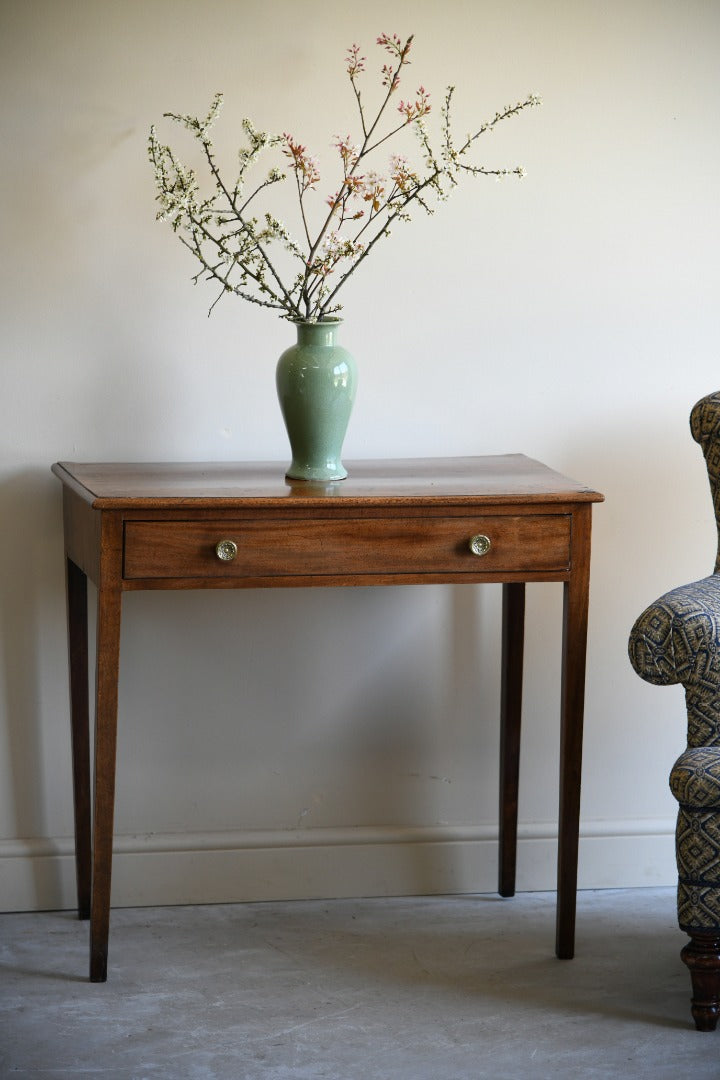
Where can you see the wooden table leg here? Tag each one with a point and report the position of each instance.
(513, 637)
(77, 615)
(575, 621)
(108, 659)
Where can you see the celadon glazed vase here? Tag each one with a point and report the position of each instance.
(316, 380)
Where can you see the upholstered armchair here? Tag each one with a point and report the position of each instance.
(677, 640)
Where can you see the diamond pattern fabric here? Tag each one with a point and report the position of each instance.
(676, 640)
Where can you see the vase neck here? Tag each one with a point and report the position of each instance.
(317, 333)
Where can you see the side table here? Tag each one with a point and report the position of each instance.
(505, 519)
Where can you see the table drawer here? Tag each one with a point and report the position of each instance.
(347, 546)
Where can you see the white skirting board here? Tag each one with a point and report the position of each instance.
(301, 864)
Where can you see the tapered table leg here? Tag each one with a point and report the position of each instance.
(108, 657)
(77, 614)
(575, 621)
(513, 637)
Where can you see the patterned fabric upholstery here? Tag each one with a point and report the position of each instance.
(677, 640)
(705, 427)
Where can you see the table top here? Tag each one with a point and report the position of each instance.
(489, 480)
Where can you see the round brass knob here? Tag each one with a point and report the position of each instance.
(226, 550)
(480, 544)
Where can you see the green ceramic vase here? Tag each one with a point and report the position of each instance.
(316, 381)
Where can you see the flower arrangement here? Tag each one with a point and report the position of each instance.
(253, 255)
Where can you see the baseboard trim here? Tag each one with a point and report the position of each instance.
(284, 864)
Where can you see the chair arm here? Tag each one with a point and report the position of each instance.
(677, 639)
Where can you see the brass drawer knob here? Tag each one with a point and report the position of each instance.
(226, 550)
(480, 544)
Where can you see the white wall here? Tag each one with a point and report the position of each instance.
(319, 743)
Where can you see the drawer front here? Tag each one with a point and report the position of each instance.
(347, 546)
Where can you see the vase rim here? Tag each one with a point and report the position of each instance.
(317, 322)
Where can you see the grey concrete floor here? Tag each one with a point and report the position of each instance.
(402, 989)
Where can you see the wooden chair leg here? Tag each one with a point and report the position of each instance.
(702, 956)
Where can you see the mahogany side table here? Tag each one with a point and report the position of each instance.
(505, 519)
